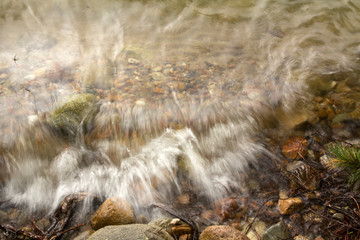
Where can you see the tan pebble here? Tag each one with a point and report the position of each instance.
(289, 205)
(184, 199)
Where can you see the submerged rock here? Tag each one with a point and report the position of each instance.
(277, 231)
(225, 209)
(131, 232)
(68, 117)
(114, 211)
(218, 232)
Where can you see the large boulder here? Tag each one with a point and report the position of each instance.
(114, 211)
(131, 232)
(222, 232)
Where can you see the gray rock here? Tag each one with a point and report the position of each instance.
(131, 232)
(277, 231)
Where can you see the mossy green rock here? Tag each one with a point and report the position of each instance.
(73, 111)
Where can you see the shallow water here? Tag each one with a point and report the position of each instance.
(183, 90)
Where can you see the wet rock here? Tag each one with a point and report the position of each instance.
(114, 211)
(218, 232)
(209, 215)
(295, 148)
(225, 209)
(294, 120)
(131, 232)
(183, 199)
(77, 108)
(43, 223)
(339, 216)
(312, 217)
(258, 226)
(277, 231)
(289, 205)
(158, 77)
(175, 227)
(133, 61)
(163, 223)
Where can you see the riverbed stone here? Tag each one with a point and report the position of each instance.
(222, 232)
(225, 209)
(131, 232)
(114, 211)
(277, 231)
(289, 205)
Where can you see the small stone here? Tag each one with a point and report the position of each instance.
(289, 205)
(339, 216)
(258, 226)
(226, 209)
(168, 71)
(277, 231)
(158, 76)
(133, 61)
(30, 77)
(184, 199)
(221, 232)
(114, 211)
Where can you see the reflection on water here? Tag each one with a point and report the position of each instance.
(181, 88)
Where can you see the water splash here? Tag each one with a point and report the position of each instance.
(183, 89)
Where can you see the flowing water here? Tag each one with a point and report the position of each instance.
(183, 91)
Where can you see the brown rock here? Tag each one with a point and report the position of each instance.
(226, 209)
(289, 205)
(114, 211)
(295, 148)
(219, 232)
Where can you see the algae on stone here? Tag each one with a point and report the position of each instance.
(77, 108)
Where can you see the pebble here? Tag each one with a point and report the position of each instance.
(133, 61)
(30, 77)
(277, 231)
(339, 216)
(225, 209)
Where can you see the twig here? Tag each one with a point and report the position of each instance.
(257, 213)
